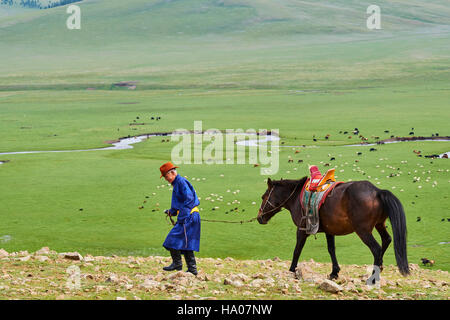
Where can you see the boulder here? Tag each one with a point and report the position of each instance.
(73, 256)
(26, 258)
(305, 273)
(42, 251)
(234, 283)
(330, 286)
(150, 284)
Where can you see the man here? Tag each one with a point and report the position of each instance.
(184, 238)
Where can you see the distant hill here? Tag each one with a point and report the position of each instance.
(213, 38)
(37, 4)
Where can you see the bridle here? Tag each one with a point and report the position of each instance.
(273, 206)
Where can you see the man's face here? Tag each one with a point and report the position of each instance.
(170, 176)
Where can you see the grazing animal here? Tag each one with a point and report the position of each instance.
(332, 158)
(427, 262)
(356, 206)
(418, 219)
(411, 133)
(359, 153)
(299, 161)
(373, 149)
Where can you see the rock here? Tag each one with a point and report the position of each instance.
(3, 253)
(23, 253)
(112, 278)
(234, 283)
(73, 256)
(179, 274)
(330, 286)
(26, 258)
(305, 273)
(258, 276)
(239, 277)
(150, 284)
(42, 251)
(89, 258)
(41, 258)
(257, 283)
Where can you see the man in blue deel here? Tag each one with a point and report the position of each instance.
(184, 238)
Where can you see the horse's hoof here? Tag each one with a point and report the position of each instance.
(292, 270)
(333, 276)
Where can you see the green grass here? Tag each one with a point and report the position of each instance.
(237, 64)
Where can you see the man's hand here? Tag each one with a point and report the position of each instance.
(167, 212)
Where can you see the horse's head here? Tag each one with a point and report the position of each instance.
(278, 193)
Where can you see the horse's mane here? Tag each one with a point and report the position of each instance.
(290, 182)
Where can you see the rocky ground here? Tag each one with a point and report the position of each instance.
(46, 274)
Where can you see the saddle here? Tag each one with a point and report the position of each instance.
(312, 197)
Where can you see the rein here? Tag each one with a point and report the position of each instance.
(253, 219)
(222, 221)
(276, 207)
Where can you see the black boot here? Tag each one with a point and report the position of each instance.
(176, 261)
(190, 261)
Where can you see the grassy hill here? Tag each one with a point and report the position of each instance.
(224, 43)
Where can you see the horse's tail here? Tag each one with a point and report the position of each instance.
(396, 214)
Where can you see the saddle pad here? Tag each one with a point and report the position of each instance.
(311, 202)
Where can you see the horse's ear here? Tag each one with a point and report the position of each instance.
(269, 182)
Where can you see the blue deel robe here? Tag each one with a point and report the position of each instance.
(185, 235)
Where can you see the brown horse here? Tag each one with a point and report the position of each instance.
(356, 206)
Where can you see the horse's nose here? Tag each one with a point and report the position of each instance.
(260, 217)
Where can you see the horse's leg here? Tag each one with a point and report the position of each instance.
(301, 239)
(373, 245)
(332, 252)
(385, 240)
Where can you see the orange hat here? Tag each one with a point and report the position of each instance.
(166, 167)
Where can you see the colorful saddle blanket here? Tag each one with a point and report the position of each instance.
(312, 201)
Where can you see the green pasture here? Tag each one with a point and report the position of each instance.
(308, 69)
